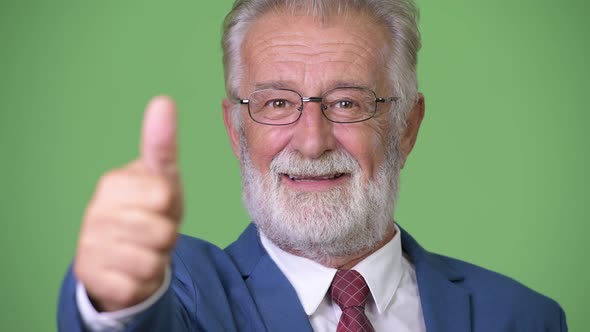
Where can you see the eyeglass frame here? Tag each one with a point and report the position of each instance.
(319, 99)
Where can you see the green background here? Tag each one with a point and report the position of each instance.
(498, 176)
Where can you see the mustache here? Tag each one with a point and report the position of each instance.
(331, 162)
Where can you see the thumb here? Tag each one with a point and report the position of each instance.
(158, 138)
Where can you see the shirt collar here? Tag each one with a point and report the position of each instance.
(382, 271)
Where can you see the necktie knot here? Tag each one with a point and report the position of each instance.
(349, 289)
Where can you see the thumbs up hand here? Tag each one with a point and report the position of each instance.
(130, 225)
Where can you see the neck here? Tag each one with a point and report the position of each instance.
(348, 262)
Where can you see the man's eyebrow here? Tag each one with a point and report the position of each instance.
(292, 86)
(356, 84)
(274, 85)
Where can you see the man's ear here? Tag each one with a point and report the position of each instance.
(230, 126)
(413, 122)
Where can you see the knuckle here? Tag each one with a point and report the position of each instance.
(96, 230)
(87, 264)
(116, 179)
(85, 245)
(108, 180)
(89, 244)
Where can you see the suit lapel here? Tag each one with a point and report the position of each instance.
(274, 296)
(446, 306)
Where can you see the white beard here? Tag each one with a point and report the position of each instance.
(321, 225)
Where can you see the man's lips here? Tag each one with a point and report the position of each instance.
(314, 183)
(295, 177)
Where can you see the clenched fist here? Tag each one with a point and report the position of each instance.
(130, 225)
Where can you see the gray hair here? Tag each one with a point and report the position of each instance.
(400, 17)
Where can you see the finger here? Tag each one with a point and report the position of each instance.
(124, 189)
(137, 262)
(146, 230)
(113, 290)
(158, 139)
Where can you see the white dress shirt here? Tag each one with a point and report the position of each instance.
(393, 304)
(394, 301)
(114, 321)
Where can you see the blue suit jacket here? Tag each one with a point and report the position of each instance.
(241, 289)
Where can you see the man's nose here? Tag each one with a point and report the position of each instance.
(313, 132)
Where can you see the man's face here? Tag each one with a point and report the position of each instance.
(316, 183)
(296, 52)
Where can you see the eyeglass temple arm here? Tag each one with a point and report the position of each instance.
(319, 100)
(386, 100)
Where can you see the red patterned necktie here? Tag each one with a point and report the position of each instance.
(349, 290)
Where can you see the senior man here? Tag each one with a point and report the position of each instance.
(322, 111)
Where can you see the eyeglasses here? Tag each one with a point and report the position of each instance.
(281, 107)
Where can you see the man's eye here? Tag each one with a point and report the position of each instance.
(346, 104)
(278, 103)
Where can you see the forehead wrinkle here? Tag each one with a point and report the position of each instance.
(287, 40)
(291, 85)
(311, 48)
(324, 59)
(276, 49)
(297, 75)
(326, 62)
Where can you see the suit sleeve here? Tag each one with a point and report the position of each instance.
(563, 322)
(166, 314)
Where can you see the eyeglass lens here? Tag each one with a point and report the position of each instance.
(277, 107)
